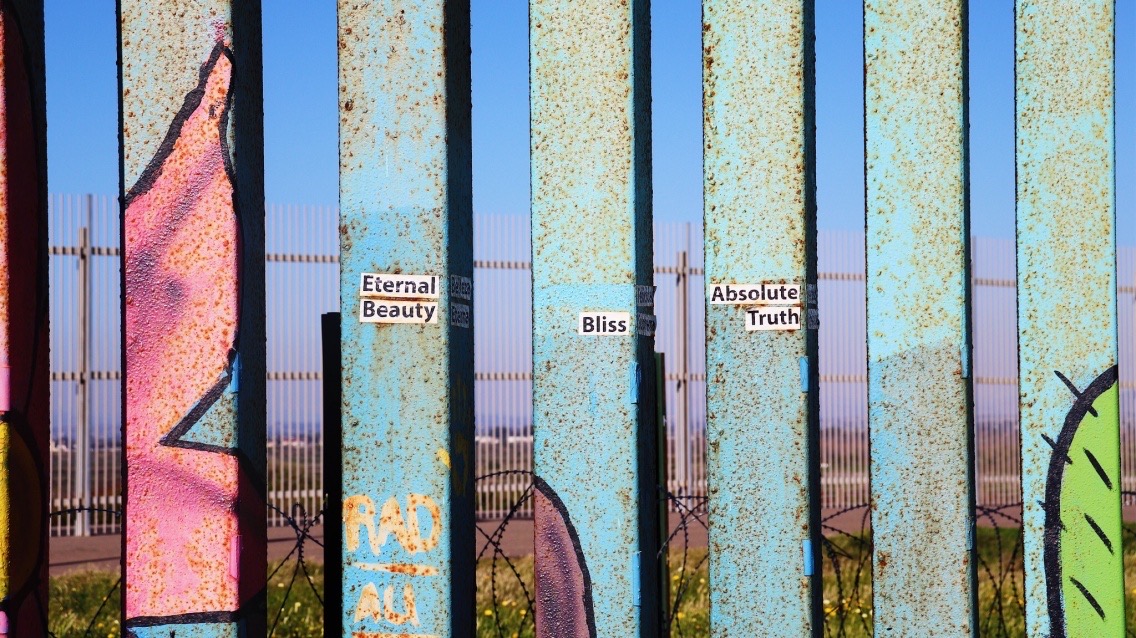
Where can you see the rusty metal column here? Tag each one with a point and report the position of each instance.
(593, 338)
(193, 331)
(24, 368)
(406, 242)
(760, 228)
(918, 338)
(1067, 321)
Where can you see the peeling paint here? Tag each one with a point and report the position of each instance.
(407, 404)
(917, 276)
(1067, 326)
(760, 212)
(591, 234)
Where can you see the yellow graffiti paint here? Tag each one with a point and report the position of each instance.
(19, 492)
(359, 512)
(370, 606)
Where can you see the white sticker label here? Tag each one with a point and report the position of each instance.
(644, 296)
(645, 325)
(604, 323)
(390, 286)
(773, 318)
(384, 311)
(459, 315)
(461, 287)
(783, 294)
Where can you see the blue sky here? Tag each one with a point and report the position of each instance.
(300, 107)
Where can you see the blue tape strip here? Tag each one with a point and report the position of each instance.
(804, 374)
(633, 387)
(235, 379)
(807, 547)
(636, 590)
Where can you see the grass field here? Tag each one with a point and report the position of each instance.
(504, 593)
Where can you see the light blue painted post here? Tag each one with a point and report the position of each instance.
(591, 230)
(1067, 327)
(918, 344)
(407, 330)
(760, 214)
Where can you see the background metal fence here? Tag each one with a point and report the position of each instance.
(302, 282)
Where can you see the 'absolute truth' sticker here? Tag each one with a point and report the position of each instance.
(773, 318)
(749, 294)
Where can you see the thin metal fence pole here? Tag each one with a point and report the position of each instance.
(984, 469)
(82, 430)
(682, 367)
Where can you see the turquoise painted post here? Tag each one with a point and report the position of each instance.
(760, 229)
(25, 381)
(406, 245)
(1067, 327)
(919, 398)
(193, 327)
(592, 318)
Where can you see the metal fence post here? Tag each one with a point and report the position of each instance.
(406, 243)
(24, 373)
(593, 322)
(917, 294)
(683, 485)
(194, 333)
(332, 470)
(82, 442)
(661, 465)
(761, 347)
(1067, 318)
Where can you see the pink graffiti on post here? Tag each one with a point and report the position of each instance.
(182, 306)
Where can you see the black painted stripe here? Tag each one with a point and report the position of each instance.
(1100, 532)
(1098, 468)
(1088, 596)
(1073, 389)
(1053, 445)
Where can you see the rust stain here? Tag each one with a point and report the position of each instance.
(400, 568)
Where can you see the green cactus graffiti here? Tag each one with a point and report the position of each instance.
(1084, 577)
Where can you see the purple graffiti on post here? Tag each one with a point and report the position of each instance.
(563, 584)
